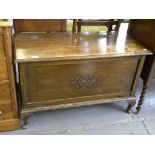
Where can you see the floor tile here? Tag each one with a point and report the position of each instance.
(68, 119)
(150, 125)
(130, 128)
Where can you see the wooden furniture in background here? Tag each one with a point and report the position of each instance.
(62, 70)
(40, 25)
(8, 103)
(143, 30)
(77, 23)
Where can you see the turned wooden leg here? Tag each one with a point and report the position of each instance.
(24, 118)
(131, 104)
(109, 28)
(74, 25)
(79, 28)
(141, 100)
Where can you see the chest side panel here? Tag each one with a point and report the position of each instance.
(46, 83)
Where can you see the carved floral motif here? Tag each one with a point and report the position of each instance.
(84, 81)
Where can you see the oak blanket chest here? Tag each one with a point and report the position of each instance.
(58, 70)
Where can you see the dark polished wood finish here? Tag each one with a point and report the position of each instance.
(67, 46)
(144, 31)
(8, 103)
(40, 25)
(59, 70)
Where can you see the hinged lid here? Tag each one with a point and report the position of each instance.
(66, 46)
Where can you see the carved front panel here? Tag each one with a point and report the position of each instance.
(57, 82)
(84, 81)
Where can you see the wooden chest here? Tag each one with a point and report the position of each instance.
(143, 30)
(8, 105)
(60, 70)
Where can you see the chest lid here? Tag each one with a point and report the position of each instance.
(67, 46)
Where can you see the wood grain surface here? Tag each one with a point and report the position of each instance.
(40, 25)
(65, 46)
(8, 104)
